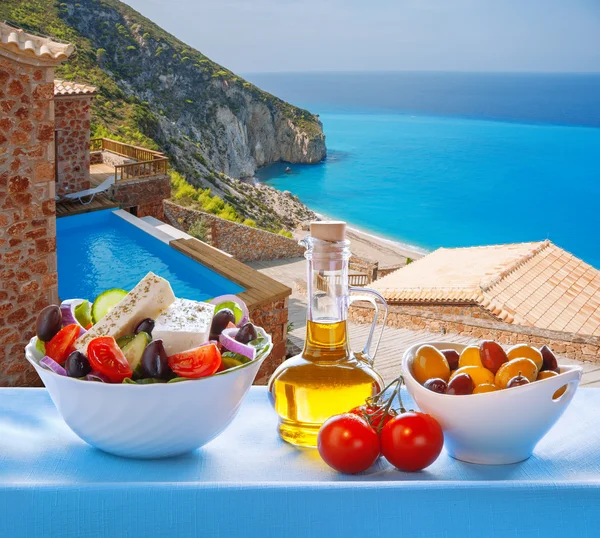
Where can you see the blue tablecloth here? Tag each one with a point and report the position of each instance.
(249, 483)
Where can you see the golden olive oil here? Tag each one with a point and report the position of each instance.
(326, 379)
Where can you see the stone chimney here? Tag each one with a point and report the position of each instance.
(28, 276)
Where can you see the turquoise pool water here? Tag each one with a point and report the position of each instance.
(98, 251)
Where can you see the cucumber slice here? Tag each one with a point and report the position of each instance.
(124, 340)
(234, 307)
(83, 313)
(133, 351)
(231, 360)
(40, 346)
(105, 302)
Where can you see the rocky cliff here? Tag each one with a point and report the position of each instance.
(155, 90)
(233, 124)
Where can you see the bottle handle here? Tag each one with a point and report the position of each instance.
(377, 300)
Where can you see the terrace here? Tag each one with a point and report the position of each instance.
(122, 175)
(123, 161)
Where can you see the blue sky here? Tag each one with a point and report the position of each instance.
(360, 35)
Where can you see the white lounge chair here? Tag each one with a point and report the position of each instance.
(103, 187)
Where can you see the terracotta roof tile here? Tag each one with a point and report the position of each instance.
(66, 87)
(535, 284)
(16, 40)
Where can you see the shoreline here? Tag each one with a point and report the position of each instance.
(364, 244)
(372, 246)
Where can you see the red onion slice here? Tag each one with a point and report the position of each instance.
(67, 309)
(50, 364)
(228, 341)
(97, 376)
(233, 299)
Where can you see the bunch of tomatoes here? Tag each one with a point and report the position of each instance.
(350, 443)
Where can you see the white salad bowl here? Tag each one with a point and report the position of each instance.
(149, 421)
(498, 427)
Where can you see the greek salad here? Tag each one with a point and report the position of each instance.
(147, 336)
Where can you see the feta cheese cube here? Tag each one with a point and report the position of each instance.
(184, 325)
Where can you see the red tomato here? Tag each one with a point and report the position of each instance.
(374, 416)
(199, 362)
(106, 357)
(61, 346)
(412, 441)
(348, 444)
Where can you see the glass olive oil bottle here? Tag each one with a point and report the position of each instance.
(327, 378)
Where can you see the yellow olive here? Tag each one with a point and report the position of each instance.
(513, 368)
(485, 387)
(479, 374)
(524, 351)
(470, 357)
(430, 363)
(547, 374)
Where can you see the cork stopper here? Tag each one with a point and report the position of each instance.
(330, 230)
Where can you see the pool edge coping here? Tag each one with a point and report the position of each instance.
(259, 289)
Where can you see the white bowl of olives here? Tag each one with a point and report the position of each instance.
(493, 407)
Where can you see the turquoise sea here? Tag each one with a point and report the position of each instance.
(442, 160)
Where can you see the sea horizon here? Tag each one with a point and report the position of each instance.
(473, 147)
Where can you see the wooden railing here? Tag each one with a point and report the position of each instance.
(357, 279)
(155, 167)
(125, 150)
(96, 144)
(147, 163)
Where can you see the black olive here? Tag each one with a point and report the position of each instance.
(220, 321)
(517, 381)
(77, 365)
(49, 322)
(155, 363)
(145, 326)
(246, 334)
(436, 385)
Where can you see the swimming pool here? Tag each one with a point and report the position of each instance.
(100, 250)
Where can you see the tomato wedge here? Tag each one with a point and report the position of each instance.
(106, 357)
(61, 346)
(198, 362)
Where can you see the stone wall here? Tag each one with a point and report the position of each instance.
(568, 345)
(363, 265)
(112, 159)
(469, 310)
(146, 195)
(242, 242)
(273, 317)
(384, 271)
(72, 121)
(28, 279)
(96, 157)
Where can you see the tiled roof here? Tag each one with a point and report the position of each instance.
(18, 41)
(534, 284)
(66, 87)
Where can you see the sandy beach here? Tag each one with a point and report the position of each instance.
(375, 248)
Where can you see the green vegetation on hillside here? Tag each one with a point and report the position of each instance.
(202, 200)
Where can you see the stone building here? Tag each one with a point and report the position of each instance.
(72, 121)
(28, 278)
(525, 292)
